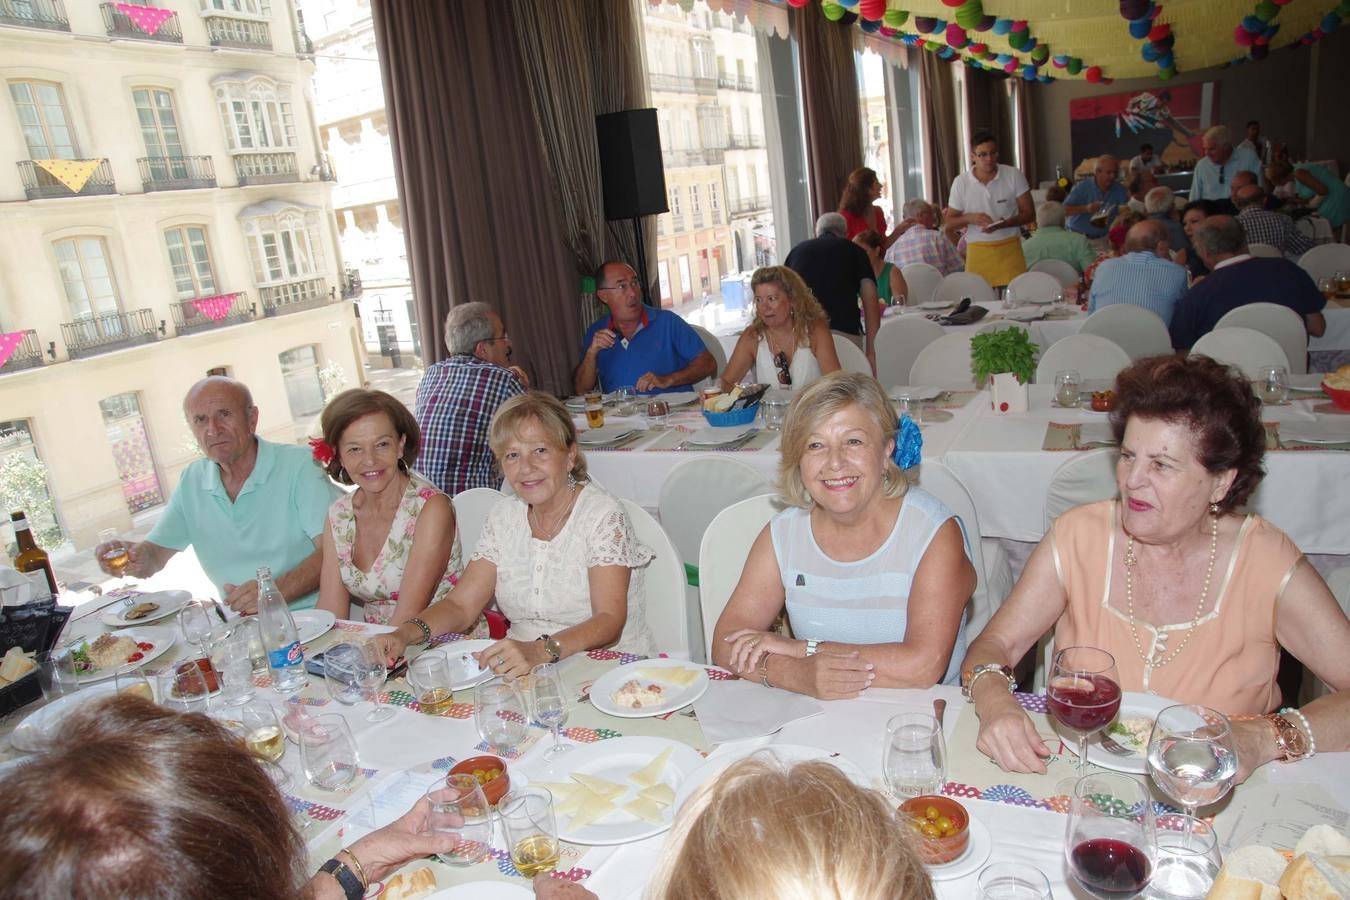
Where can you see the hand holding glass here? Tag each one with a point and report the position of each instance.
(458, 808)
(1083, 692)
(113, 553)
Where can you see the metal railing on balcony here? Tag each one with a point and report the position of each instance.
(705, 84)
(28, 355)
(351, 284)
(304, 46)
(696, 218)
(39, 184)
(120, 25)
(677, 223)
(48, 14)
(238, 34)
(708, 156)
(294, 296)
(109, 331)
(746, 83)
(191, 316)
(176, 173)
(266, 168)
(681, 84)
(726, 82)
(745, 142)
(747, 205)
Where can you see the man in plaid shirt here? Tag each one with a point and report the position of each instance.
(923, 243)
(459, 396)
(1264, 227)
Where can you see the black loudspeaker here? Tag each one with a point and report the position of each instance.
(631, 170)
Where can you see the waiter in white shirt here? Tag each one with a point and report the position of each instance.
(992, 202)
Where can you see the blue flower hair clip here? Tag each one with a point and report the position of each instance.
(908, 444)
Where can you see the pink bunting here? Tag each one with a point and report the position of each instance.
(9, 342)
(214, 308)
(146, 18)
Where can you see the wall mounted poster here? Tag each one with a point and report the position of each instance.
(1172, 119)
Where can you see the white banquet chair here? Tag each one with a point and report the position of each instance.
(1094, 356)
(1066, 274)
(921, 280)
(945, 363)
(1034, 286)
(1247, 349)
(1267, 251)
(1139, 332)
(722, 555)
(1325, 260)
(663, 584)
(471, 511)
(959, 285)
(713, 344)
(1278, 322)
(851, 359)
(899, 341)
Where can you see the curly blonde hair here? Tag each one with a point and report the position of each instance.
(802, 303)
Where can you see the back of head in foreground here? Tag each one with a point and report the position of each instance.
(135, 801)
(800, 833)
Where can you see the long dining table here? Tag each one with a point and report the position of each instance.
(1023, 815)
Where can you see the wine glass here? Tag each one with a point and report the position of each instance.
(531, 830)
(131, 680)
(499, 713)
(458, 808)
(1110, 840)
(429, 676)
(1328, 287)
(1273, 385)
(370, 677)
(113, 552)
(328, 752)
(914, 757)
(1188, 859)
(233, 662)
(1191, 755)
(1013, 881)
(550, 704)
(183, 688)
(257, 723)
(1068, 383)
(196, 621)
(1083, 692)
(341, 665)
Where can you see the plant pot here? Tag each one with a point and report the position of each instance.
(1008, 395)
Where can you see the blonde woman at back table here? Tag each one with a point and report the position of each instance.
(788, 343)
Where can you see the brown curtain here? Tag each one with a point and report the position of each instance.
(468, 159)
(1026, 139)
(987, 107)
(832, 117)
(945, 158)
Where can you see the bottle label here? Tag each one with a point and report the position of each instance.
(286, 657)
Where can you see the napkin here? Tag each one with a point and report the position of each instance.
(733, 710)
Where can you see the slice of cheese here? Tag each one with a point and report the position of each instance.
(560, 790)
(593, 809)
(571, 804)
(651, 773)
(647, 809)
(676, 675)
(660, 793)
(599, 786)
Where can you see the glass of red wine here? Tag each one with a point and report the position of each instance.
(1083, 692)
(1111, 842)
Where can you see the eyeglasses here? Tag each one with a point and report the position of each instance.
(781, 362)
(504, 337)
(622, 286)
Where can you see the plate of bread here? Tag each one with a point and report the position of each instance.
(1317, 868)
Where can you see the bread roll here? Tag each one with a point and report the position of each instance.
(1249, 873)
(1324, 841)
(407, 885)
(1314, 877)
(14, 665)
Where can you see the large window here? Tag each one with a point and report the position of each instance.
(876, 131)
(259, 8)
(24, 485)
(41, 108)
(190, 257)
(284, 247)
(300, 372)
(256, 114)
(158, 122)
(87, 276)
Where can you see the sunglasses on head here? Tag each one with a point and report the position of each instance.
(781, 362)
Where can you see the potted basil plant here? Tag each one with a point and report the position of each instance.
(1006, 359)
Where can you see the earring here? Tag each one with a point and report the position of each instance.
(403, 465)
(571, 481)
(1214, 509)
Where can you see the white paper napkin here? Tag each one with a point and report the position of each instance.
(733, 710)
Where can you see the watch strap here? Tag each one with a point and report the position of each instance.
(1289, 739)
(551, 647)
(346, 878)
(811, 647)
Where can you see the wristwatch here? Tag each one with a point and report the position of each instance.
(811, 647)
(346, 878)
(551, 647)
(969, 677)
(1289, 740)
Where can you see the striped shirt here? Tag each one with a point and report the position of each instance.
(456, 401)
(1141, 278)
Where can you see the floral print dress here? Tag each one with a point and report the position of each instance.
(377, 589)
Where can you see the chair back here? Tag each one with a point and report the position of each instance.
(1035, 286)
(851, 359)
(1278, 322)
(1094, 356)
(1139, 332)
(667, 611)
(471, 511)
(959, 285)
(898, 344)
(921, 280)
(698, 489)
(722, 555)
(1247, 349)
(714, 346)
(1325, 260)
(1063, 271)
(1268, 251)
(944, 363)
(1085, 477)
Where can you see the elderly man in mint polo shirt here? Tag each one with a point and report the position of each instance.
(638, 346)
(250, 503)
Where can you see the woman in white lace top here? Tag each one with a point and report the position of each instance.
(560, 555)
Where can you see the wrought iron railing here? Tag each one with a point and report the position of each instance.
(239, 34)
(745, 142)
(708, 156)
(109, 331)
(680, 84)
(176, 173)
(48, 14)
(294, 296)
(39, 184)
(27, 355)
(119, 24)
(266, 168)
(705, 84)
(745, 205)
(189, 316)
(696, 218)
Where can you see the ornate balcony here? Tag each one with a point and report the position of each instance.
(176, 173)
(676, 84)
(266, 168)
(696, 218)
(745, 142)
(39, 184)
(745, 206)
(684, 159)
(47, 14)
(191, 316)
(109, 331)
(28, 355)
(238, 34)
(295, 296)
(119, 25)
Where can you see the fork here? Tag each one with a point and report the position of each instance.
(1111, 745)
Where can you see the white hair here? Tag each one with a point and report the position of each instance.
(1220, 134)
(1159, 200)
(467, 325)
(1050, 214)
(914, 208)
(833, 223)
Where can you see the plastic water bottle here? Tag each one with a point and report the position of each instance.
(285, 656)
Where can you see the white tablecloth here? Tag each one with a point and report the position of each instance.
(1043, 332)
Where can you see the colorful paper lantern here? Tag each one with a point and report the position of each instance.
(1060, 61)
(956, 36)
(986, 23)
(1075, 65)
(1149, 52)
(875, 10)
(1265, 10)
(896, 17)
(1093, 74)
(924, 24)
(1002, 26)
(1242, 37)
(1134, 9)
(1139, 28)
(833, 11)
(1330, 22)
(846, 3)
(1158, 32)
(970, 14)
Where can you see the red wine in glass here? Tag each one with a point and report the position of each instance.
(1083, 692)
(1107, 867)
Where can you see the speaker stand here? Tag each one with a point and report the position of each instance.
(641, 259)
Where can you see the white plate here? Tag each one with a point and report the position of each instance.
(679, 697)
(169, 602)
(1314, 389)
(936, 304)
(977, 851)
(1132, 705)
(787, 754)
(915, 392)
(1316, 432)
(614, 760)
(313, 623)
(677, 398)
(715, 437)
(578, 404)
(464, 669)
(29, 734)
(1024, 315)
(161, 636)
(1040, 301)
(483, 890)
(606, 434)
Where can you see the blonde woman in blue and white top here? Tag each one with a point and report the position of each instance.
(875, 574)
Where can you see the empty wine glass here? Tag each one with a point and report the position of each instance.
(1083, 692)
(1068, 384)
(550, 704)
(342, 664)
(370, 676)
(1110, 839)
(196, 621)
(458, 808)
(1188, 859)
(1013, 881)
(499, 713)
(1191, 755)
(233, 662)
(914, 757)
(328, 752)
(1273, 385)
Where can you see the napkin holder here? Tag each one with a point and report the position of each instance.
(1008, 395)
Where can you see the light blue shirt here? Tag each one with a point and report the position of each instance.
(1141, 278)
(1215, 182)
(1085, 192)
(280, 510)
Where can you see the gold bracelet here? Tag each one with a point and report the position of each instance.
(764, 670)
(360, 872)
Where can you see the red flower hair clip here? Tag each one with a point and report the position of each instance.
(322, 452)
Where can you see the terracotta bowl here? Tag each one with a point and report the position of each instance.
(938, 850)
(1339, 397)
(493, 789)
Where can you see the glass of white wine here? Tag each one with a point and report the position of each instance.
(531, 830)
(113, 552)
(131, 680)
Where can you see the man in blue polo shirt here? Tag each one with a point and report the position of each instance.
(636, 345)
(249, 503)
(1091, 196)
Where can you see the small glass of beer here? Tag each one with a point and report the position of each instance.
(595, 409)
(112, 552)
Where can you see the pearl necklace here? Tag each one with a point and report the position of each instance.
(1153, 662)
(551, 533)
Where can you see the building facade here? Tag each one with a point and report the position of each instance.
(165, 214)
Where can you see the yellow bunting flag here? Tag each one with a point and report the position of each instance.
(73, 173)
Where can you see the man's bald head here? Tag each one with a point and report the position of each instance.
(1148, 236)
(1249, 195)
